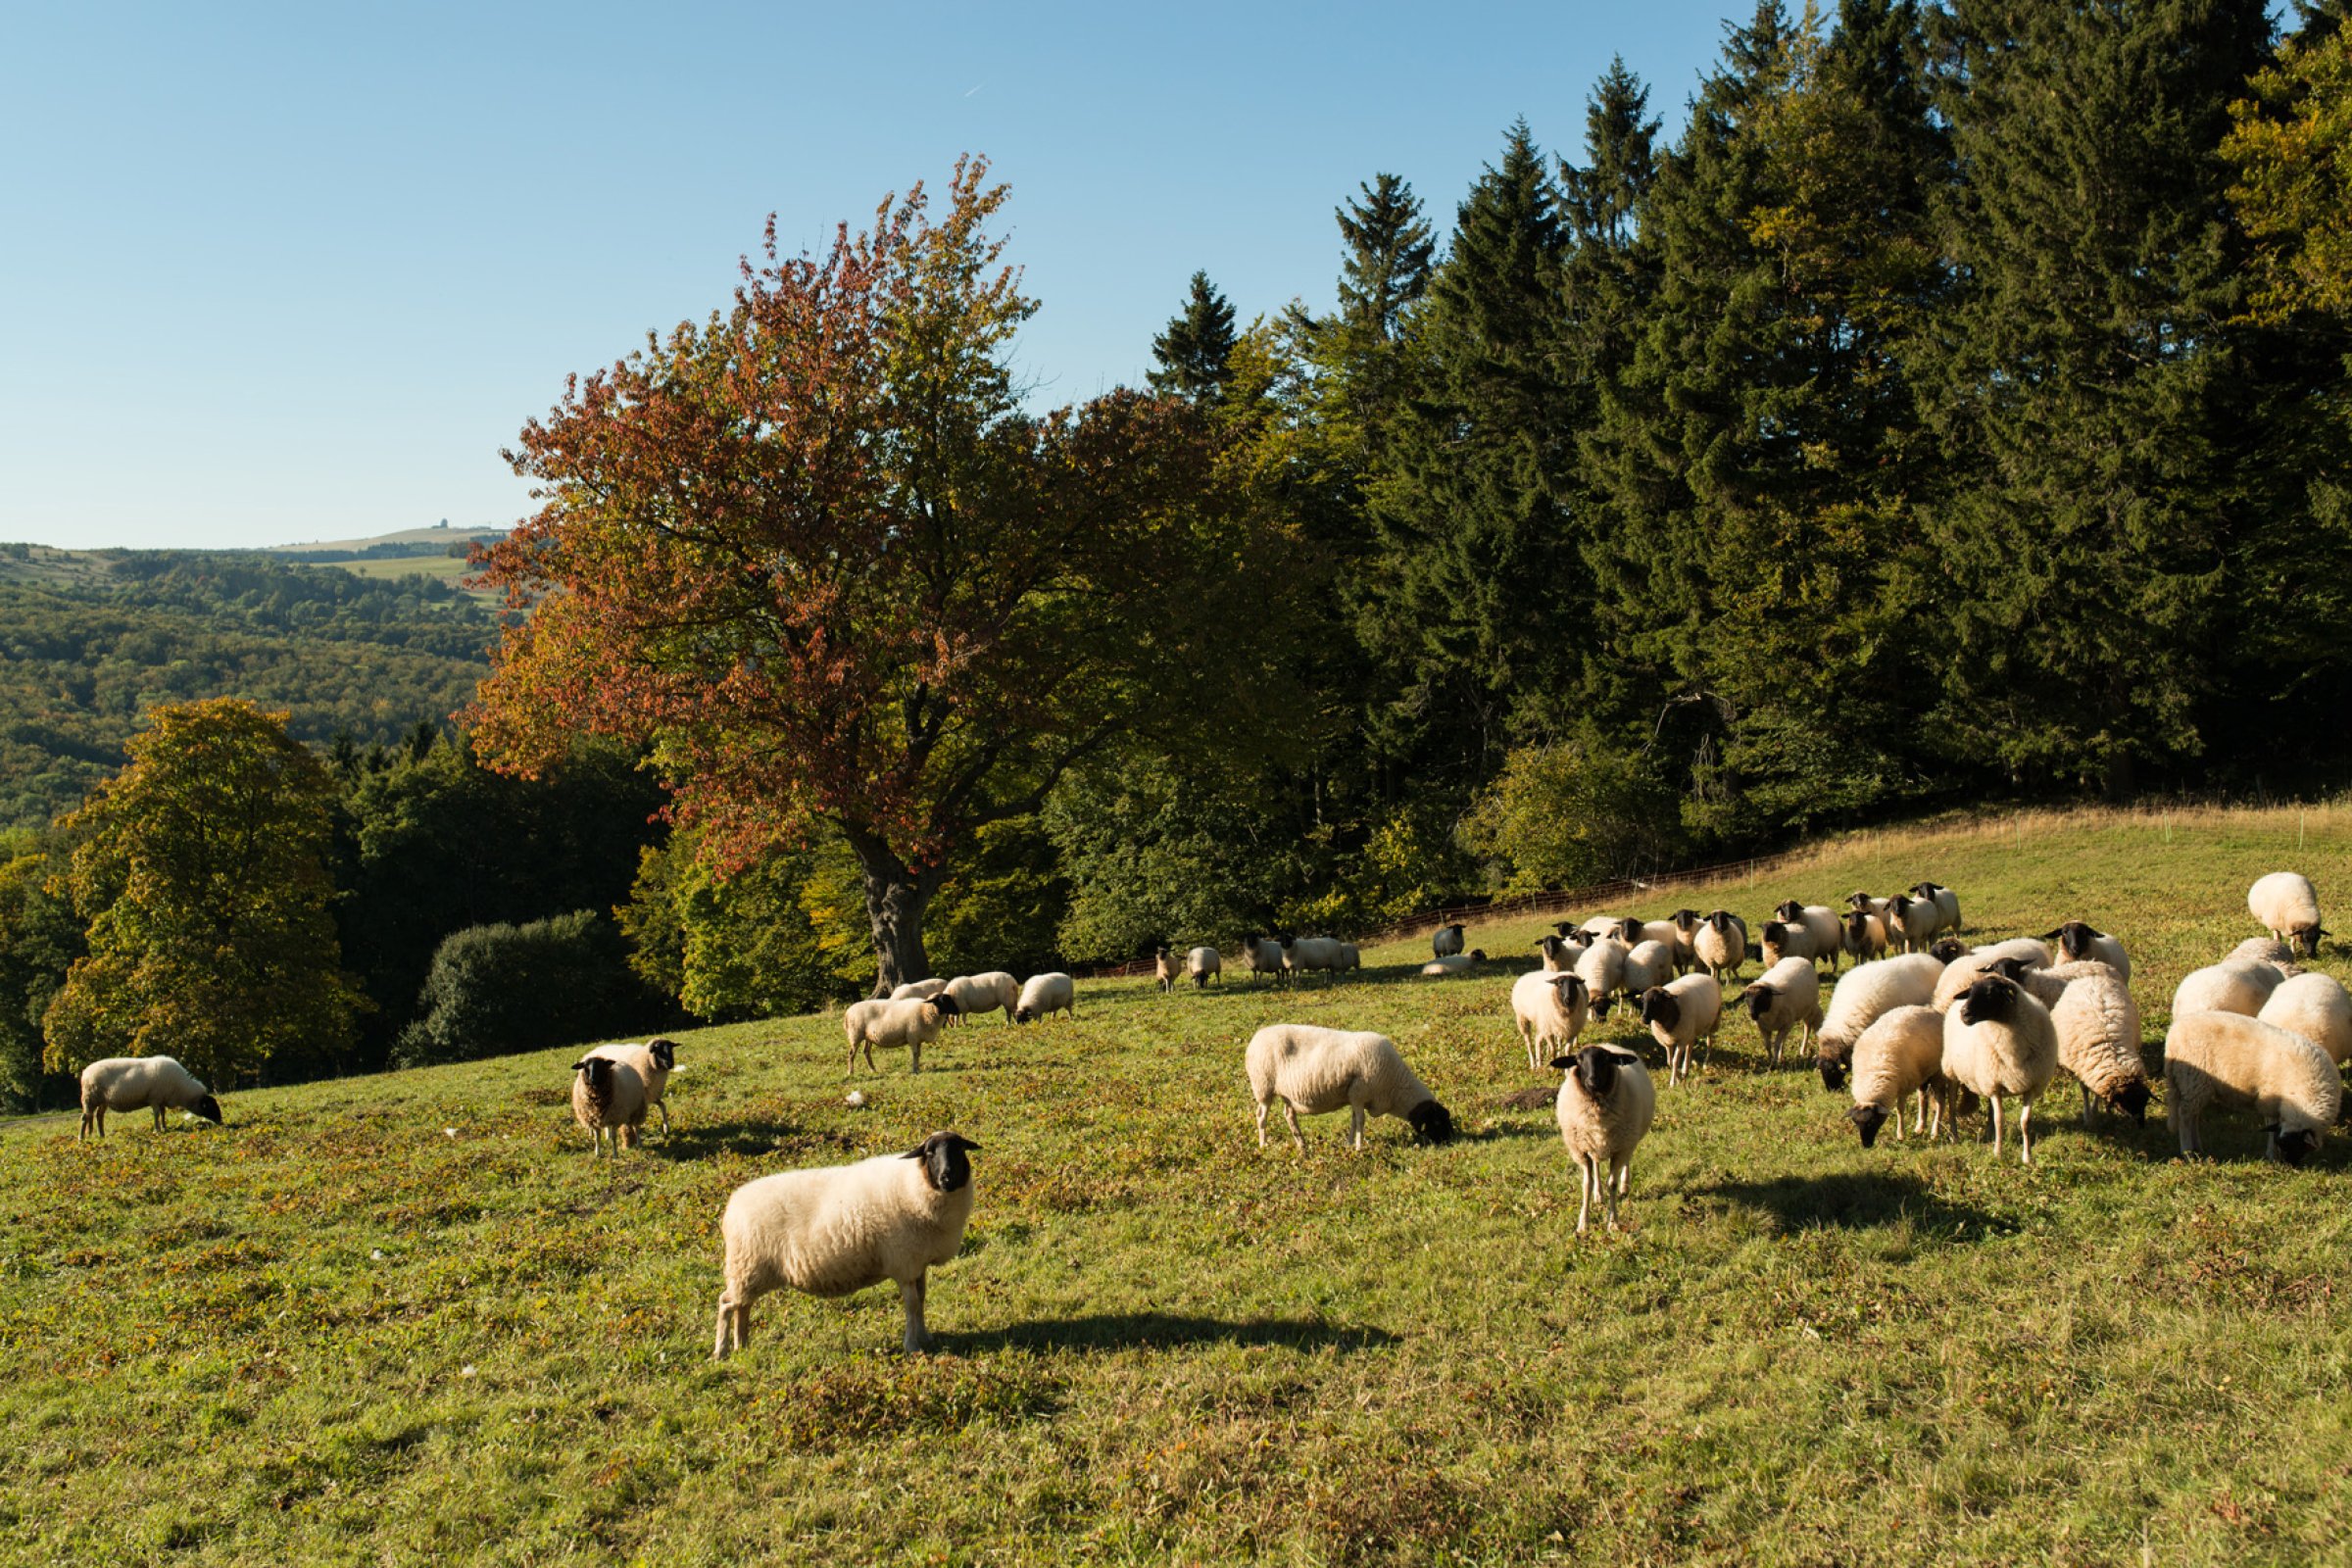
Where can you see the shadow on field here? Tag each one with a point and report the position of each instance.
(1852, 1200)
(704, 1140)
(1126, 1331)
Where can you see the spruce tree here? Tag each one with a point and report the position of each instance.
(1191, 353)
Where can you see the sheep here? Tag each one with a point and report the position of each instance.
(654, 1061)
(2316, 1008)
(1456, 962)
(1864, 904)
(1351, 956)
(2098, 1035)
(2230, 1060)
(1204, 964)
(2226, 988)
(1680, 1016)
(912, 1022)
(1166, 969)
(1044, 995)
(1548, 1007)
(1911, 923)
(1721, 944)
(1314, 1070)
(1865, 936)
(1650, 964)
(2083, 943)
(1686, 923)
(1869, 990)
(1827, 928)
(1263, 956)
(1787, 996)
(1998, 1039)
(1560, 953)
(919, 990)
(2265, 949)
(1901, 1054)
(1601, 967)
(135, 1083)
(1301, 953)
(607, 1097)
(1600, 925)
(1605, 1108)
(837, 1229)
(1964, 969)
(1445, 940)
(1946, 901)
(975, 994)
(2288, 908)
(1789, 938)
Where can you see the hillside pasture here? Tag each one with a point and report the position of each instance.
(408, 1317)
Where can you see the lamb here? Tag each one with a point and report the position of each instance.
(1601, 967)
(1549, 1009)
(975, 994)
(1166, 969)
(1721, 944)
(1605, 1108)
(1946, 901)
(2288, 908)
(1650, 964)
(1998, 1039)
(141, 1083)
(912, 1022)
(654, 1061)
(923, 990)
(1680, 1017)
(1865, 936)
(1204, 964)
(2083, 943)
(1263, 956)
(2243, 988)
(1445, 940)
(1044, 995)
(1314, 1070)
(841, 1228)
(1456, 962)
(607, 1097)
(1828, 930)
(1787, 996)
(1868, 992)
(2229, 1059)
(2316, 1008)
(1789, 938)
(2098, 1037)
(1901, 1054)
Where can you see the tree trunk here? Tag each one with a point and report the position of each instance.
(896, 898)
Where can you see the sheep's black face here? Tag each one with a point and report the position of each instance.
(1563, 927)
(208, 1108)
(1948, 950)
(1721, 920)
(949, 1007)
(599, 1070)
(1859, 903)
(665, 1052)
(2132, 1101)
(1432, 1121)
(2296, 1146)
(1571, 988)
(1478, 955)
(1991, 1000)
(1867, 1120)
(1791, 911)
(2305, 941)
(1686, 921)
(1022, 1015)
(1629, 931)
(1597, 1070)
(945, 1166)
(2008, 969)
(1833, 1075)
(1659, 1006)
(1758, 999)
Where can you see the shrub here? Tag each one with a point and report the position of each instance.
(497, 989)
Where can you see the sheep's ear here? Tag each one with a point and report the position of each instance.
(1563, 1062)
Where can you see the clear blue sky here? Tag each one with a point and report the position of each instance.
(270, 275)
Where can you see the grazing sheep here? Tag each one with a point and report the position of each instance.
(1314, 1070)
(1786, 997)
(1789, 938)
(2316, 1008)
(2098, 1035)
(1204, 964)
(1456, 962)
(1560, 953)
(1998, 1039)
(1044, 995)
(1605, 1108)
(839, 1229)
(655, 1061)
(1263, 956)
(1445, 940)
(1166, 968)
(141, 1083)
(1680, 1016)
(607, 1097)
(922, 990)
(1721, 944)
(1549, 1010)
(1601, 967)
(2242, 988)
(913, 1023)
(2083, 943)
(1868, 992)
(975, 994)
(1901, 1054)
(2288, 908)
(1650, 964)
(2227, 1059)
(1946, 901)
(2265, 949)
(1865, 937)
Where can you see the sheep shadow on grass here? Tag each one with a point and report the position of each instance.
(1854, 1200)
(702, 1140)
(1130, 1331)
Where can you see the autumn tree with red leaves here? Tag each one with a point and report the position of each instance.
(815, 553)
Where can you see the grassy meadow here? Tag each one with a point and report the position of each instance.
(408, 1318)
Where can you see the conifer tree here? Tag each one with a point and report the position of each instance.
(1191, 353)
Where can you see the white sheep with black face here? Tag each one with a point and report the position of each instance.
(2227, 1058)
(141, 1083)
(607, 1097)
(2288, 908)
(1680, 1016)
(654, 1062)
(1605, 1107)
(1549, 1010)
(1998, 1039)
(2083, 943)
(1311, 1070)
(839, 1229)
(1446, 941)
(1044, 995)
(914, 1022)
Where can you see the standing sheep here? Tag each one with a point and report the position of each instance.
(1166, 969)
(836, 1230)
(2288, 908)
(654, 1061)
(1204, 964)
(141, 1083)
(1314, 1070)
(982, 992)
(607, 1097)
(1044, 995)
(1865, 936)
(2316, 1008)
(2083, 943)
(1786, 997)
(1822, 922)
(2236, 987)
(1901, 1054)
(1721, 944)
(1680, 1017)
(2227, 1058)
(1560, 953)
(914, 1022)
(1998, 1039)
(2098, 1035)
(917, 990)
(1549, 1010)
(1965, 969)
(1912, 923)
(1788, 938)
(1445, 940)
(1605, 1108)
(1601, 967)
(1262, 955)
(1866, 991)
(1946, 901)
(1651, 963)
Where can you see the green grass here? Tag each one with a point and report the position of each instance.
(1163, 1344)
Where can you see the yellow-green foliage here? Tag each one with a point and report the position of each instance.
(333, 1332)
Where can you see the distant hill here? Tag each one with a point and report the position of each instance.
(90, 640)
(440, 540)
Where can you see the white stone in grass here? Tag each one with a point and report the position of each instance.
(376, 1253)
(466, 1370)
(857, 1096)
(449, 1132)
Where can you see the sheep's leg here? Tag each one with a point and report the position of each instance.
(914, 1055)
(1996, 1125)
(1263, 1109)
(1356, 1128)
(727, 1329)
(2025, 1129)
(1528, 1040)
(911, 1292)
(1289, 1113)
(665, 1111)
(1583, 1183)
(158, 1116)
(1624, 1174)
